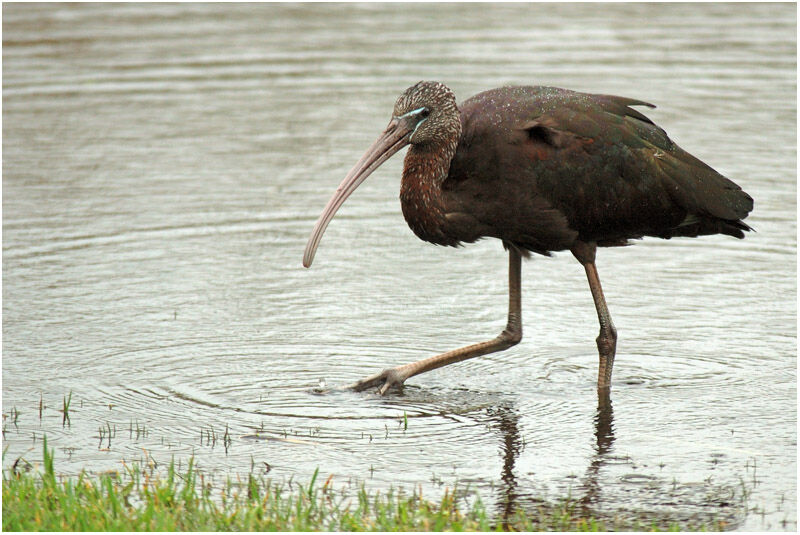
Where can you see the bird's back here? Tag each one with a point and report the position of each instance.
(542, 167)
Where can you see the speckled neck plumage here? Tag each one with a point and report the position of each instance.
(424, 171)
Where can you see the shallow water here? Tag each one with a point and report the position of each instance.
(163, 166)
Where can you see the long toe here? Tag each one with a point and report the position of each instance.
(386, 380)
(368, 382)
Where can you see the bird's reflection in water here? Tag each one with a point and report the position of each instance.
(604, 435)
(507, 423)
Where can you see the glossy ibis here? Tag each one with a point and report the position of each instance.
(543, 169)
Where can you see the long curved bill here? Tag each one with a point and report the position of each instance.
(394, 138)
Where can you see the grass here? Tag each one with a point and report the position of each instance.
(65, 409)
(180, 500)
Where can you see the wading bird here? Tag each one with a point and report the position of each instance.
(543, 169)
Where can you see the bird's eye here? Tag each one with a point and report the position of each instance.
(424, 113)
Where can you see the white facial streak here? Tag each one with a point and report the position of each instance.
(413, 112)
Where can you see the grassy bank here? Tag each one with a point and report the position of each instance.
(138, 500)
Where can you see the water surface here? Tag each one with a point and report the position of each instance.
(163, 166)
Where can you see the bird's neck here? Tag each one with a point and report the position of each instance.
(424, 171)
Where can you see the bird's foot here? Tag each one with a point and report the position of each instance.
(387, 379)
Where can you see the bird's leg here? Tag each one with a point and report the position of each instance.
(607, 339)
(510, 336)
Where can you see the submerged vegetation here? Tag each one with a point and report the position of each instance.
(140, 500)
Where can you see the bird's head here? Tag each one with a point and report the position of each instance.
(425, 116)
(431, 108)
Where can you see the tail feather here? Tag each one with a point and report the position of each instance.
(706, 194)
(695, 226)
